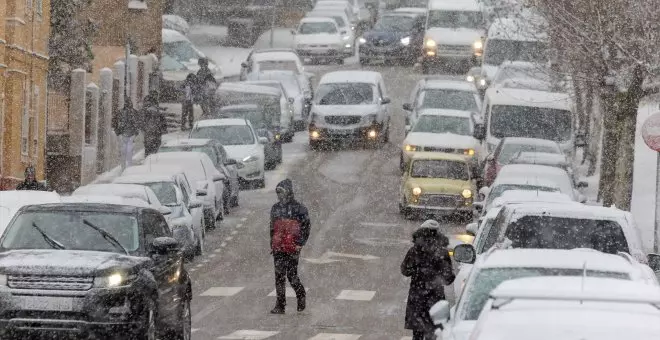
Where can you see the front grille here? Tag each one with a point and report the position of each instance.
(439, 149)
(43, 282)
(440, 200)
(317, 46)
(455, 49)
(343, 120)
(381, 42)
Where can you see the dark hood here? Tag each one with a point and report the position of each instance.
(430, 240)
(65, 262)
(286, 185)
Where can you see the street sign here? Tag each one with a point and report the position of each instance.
(651, 132)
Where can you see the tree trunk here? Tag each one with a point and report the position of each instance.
(593, 131)
(608, 151)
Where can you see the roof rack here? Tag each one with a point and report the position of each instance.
(571, 296)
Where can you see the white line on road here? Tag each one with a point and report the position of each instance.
(356, 295)
(212, 256)
(234, 232)
(199, 266)
(222, 291)
(217, 250)
(228, 238)
(378, 224)
(335, 336)
(239, 225)
(243, 219)
(223, 244)
(249, 334)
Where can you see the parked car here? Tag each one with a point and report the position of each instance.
(320, 39)
(396, 36)
(207, 180)
(177, 46)
(12, 200)
(498, 266)
(101, 269)
(216, 152)
(343, 22)
(294, 105)
(175, 22)
(241, 143)
(287, 59)
(437, 183)
(350, 105)
(295, 92)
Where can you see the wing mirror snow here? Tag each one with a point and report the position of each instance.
(472, 228)
(218, 177)
(478, 207)
(407, 106)
(465, 253)
(291, 100)
(194, 204)
(244, 65)
(164, 246)
(440, 312)
(263, 140)
(408, 128)
(479, 131)
(483, 192)
(230, 161)
(165, 210)
(580, 140)
(385, 101)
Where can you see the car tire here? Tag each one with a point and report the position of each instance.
(405, 212)
(314, 145)
(209, 221)
(148, 329)
(402, 165)
(364, 61)
(340, 61)
(270, 165)
(226, 206)
(199, 247)
(426, 68)
(234, 200)
(183, 330)
(386, 133)
(261, 183)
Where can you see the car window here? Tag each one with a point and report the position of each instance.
(440, 168)
(395, 23)
(207, 149)
(345, 94)
(443, 124)
(480, 240)
(184, 190)
(182, 51)
(317, 28)
(531, 122)
(448, 99)
(455, 19)
(225, 134)
(165, 192)
(510, 151)
(278, 65)
(154, 226)
(494, 232)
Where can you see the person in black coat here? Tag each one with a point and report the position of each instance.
(154, 124)
(430, 268)
(30, 182)
(289, 231)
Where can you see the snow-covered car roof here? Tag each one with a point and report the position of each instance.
(531, 98)
(170, 36)
(525, 179)
(175, 22)
(351, 77)
(247, 88)
(143, 178)
(541, 158)
(187, 142)
(240, 107)
(517, 29)
(445, 112)
(107, 199)
(526, 196)
(567, 211)
(276, 54)
(453, 5)
(183, 156)
(112, 189)
(317, 19)
(221, 122)
(447, 84)
(531, 141)
(15, 199)
(526, 83)
(531, 170)
(154, 169)
(414, 10)
(557, 258)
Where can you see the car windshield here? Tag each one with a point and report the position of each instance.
(531, 122)
(182, 51)
(498, 51)
(439, 168)
(168, 63)
(498, 190)
(68, 229)
(449, 99)
(507, 73)
(225, 134)
(317, 28)
(549, 232)
(512, 150)
(207, 149)
(395, 23)
(477, 293)
(278, 65)
(345, 94)
(455, 19)
(443, 124)
(165, 192)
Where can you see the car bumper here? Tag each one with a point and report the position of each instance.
(327, 134)
(440, 56)
(387, 52)
(436, 209)
(250, 172)
(321, 53)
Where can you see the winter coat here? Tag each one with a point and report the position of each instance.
(292, 209)
(31, 185)
(125, 122)
(430, 268)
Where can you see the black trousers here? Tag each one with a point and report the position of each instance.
(187, 114)
(286, 267)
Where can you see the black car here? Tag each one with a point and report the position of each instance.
(92, 270)
(396, 36)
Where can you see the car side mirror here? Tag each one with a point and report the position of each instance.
(194, 204)
(164, 245)
(165, 210)
(408, 128)
(490, 158)
(291, 100)
(582, 184)
(472, 229)
(478, 207)
(244, 65)
(385, 101)
(407, 106)
(230, 161)
(263, 140)
(465, 253)
(440, 312)
(343, 32)
(580, 140)
(218, 177)
(483, 192)
(654, 262)
(479, 132)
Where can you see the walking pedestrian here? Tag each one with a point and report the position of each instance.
(429, 266)
(126, 128)
(188, 100)
(206, 86)
(154, 124)
(30, 182)
(289, 231)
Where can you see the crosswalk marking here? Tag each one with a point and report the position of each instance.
(332, 336)
(289, 292)
(356, 295)
(407, 338)
(249, 334)
(222, 291)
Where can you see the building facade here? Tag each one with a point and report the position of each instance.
(24, 32)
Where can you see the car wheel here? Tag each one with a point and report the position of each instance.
(364, 61)
(340, 61)
(209, 220)
(199, 247)
(402, 165)
(227, 205)
(261, 183)
(426, 68)
(314, 145)
(221, 211)
(270, 165)
(148, 330)
(183, 330)
(234, 201)
(405, 212)
(386, 134)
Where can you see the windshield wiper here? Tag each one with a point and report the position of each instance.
(111, 239)
(51, 242)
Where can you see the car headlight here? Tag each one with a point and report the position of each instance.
(405, 41)
(468, 152)
(250, 159)
(370, 118)
(346, 37)
(470, 78)
(113, 280)
(478, 45)
(483, 82)
(362, 40)
(416, 191)
(411, 148)
(467, 193)
(430, 43)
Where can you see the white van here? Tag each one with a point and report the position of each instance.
(511, 39)
(178, 47)
(528, 113)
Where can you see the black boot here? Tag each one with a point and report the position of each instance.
(301, 303)
(279, 308)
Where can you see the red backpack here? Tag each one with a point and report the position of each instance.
(285, 233)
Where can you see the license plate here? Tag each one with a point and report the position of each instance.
(317, 52)
(340, 132)
(45, 303)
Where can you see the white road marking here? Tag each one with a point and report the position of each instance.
(192, 270)
(199, 265)
(378, 224)
(234, 232)
(239, 225)
(222, 291)
(193, 330)
(218, 250)
(249, 334)
(228, 238)
(352, 256)
(243, 219)
(334, 336)
(223, 244)
(205, 261)
(356, 295)
(212, 256)
(289, 292)
(407, 338)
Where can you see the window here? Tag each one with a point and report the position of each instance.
(39, 8)
(432, 168)
(35, 120)
(28, 6)
(25, 122)
(154, 227)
